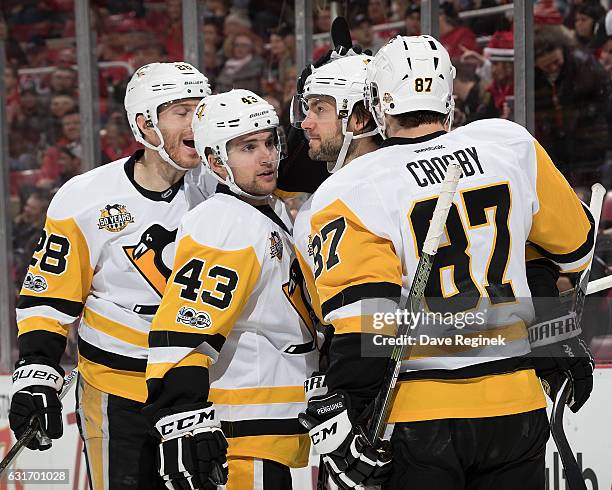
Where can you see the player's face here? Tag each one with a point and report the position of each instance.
(323, 129)
(175, 126)
(253, 159)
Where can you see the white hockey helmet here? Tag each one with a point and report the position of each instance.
(156, 84)
(220, 118)
(344, 80)
(410, 73)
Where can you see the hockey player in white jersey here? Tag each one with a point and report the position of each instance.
(228, 352)
(338, 127)
(470, 415)
(103, 260)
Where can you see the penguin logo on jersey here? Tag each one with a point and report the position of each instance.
(114, 218)
(276, 245)
(149, 253)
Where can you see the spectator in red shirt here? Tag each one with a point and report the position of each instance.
(116, 142)
(500, 53)
(453, 35)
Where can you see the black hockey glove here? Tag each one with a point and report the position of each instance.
(348, 455)
(192, 450)
(37, 383)
(557, 348)
(558, 351)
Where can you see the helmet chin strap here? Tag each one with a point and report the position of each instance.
(161, 150)
(231, 183)
(349, 136)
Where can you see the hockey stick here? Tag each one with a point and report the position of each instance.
(573, 475)
(30, 433)
(382, 403)
(593, 287)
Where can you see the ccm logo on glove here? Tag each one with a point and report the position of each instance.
(187, 422)
(320, 436)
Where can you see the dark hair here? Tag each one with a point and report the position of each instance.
(71, 113)
(549, 38)
(361, 115)
(465, 72)
(417, 118)
(593, 10)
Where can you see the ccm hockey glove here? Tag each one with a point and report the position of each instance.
(37, 383)
(348, 455)
(192, 450)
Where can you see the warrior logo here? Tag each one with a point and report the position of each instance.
(149, 253)
(38, 284)
(194, 318)
(114, 218)
(276, 245)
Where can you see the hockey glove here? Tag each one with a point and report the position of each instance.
(192, 450)
(559, 351)
(350, 458)
(37, 383)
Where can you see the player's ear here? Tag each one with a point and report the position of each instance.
(358, 122)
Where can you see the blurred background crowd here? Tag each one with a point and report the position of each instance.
(251, 44)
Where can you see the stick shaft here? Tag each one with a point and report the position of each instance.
(382, 403)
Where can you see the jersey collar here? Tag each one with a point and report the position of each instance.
(412, 141)
(166, 195)
(265, 209)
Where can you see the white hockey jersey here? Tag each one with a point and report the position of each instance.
(368, 224)
(106, 252)
(226, 309)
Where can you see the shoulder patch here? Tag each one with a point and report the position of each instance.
(114, 218)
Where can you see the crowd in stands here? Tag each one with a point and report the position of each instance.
(251, 44)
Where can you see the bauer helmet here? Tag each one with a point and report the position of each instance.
(220, 118)
(343, 79)
(408, 74)
(156, 84)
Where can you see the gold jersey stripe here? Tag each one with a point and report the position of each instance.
(284, 195)
(115, 329)
(532, 254)
(560, 226)
(127, 384)
(255, 396)
(241, 474)
(487, 396)
(74, 283)
(291, 451)
(47, 324)
(363, 324)
(362, 255)
(158, 370)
